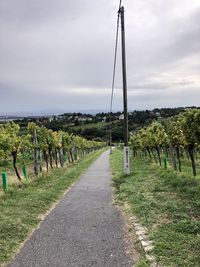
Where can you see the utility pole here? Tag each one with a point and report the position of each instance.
(126, 148)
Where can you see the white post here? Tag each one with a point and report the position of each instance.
(126, 160)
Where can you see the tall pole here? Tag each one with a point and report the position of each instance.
(126, 148)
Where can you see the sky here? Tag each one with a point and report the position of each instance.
(57, 55)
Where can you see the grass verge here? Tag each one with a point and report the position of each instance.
(21, 207)
(167, 203)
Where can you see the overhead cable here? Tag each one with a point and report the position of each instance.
(114, 71)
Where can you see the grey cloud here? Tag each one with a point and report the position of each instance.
(167, 98)
(161, 85)
(185, 40)
(37, 12)
(52, 49)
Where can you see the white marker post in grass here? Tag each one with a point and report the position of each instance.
(126, 160)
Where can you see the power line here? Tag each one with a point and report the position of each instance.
(114, 71)
(115, 57)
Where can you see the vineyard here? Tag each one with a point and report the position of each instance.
(163, 189)
(37, 168)
(42, 148)
(172, 141)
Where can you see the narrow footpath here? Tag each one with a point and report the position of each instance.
(84, 229)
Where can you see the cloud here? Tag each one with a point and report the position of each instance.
(61, 52)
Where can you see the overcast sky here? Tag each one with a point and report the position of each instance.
(57, 55)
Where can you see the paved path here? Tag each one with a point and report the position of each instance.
(84, 229)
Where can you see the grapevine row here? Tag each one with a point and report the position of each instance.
(41, 145)
(174, 138)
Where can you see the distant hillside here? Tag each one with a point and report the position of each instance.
(96, 126)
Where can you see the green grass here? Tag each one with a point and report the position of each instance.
(97, 125)
(167, 203)
(21, 207)
(90, 125)
(142, 262)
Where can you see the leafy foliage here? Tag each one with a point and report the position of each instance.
(42, 145)
(181, 134)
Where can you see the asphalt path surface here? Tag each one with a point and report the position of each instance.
(84, 229)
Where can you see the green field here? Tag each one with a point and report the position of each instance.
(97, 125)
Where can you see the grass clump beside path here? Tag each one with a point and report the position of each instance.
(22, 207)
(167, 203)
